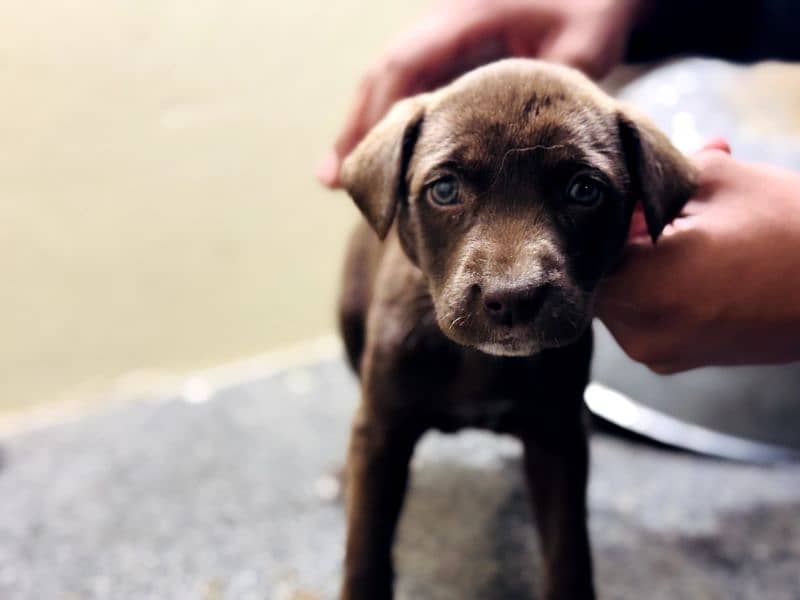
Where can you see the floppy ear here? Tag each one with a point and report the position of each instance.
(374, 173)
(661, 177)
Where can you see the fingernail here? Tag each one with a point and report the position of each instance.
(327, 170)
(716, 143)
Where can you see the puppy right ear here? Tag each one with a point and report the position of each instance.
(374, 173)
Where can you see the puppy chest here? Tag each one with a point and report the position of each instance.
(485, 392)
(494, 414)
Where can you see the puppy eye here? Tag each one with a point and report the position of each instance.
(444, 191)
(585, 191)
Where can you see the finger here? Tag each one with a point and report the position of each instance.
(585, 53)
(327, 170)
(669, 368)
(638, 228)
(712, 165)
(385, 91)
(436, 51)
(716, 143)
(390, 78)
(379, 90)
(585, 60)
(431, 54)
(638, 292)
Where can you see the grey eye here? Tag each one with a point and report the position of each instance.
(444, 191)
(585, 191)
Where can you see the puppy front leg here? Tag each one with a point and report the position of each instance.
(556, 471)
(377, 476)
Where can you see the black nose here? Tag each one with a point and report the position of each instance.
(514, 305)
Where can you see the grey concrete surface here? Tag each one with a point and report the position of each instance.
(230, 499)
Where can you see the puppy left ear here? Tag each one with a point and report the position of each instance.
(660, 176)
(374, 173)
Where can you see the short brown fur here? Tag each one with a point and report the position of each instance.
(420, 325)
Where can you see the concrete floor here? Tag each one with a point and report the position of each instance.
(232, 498)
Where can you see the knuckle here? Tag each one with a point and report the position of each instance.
(584, 55)
(711, 162)
(637, 349)
(579, 58)
(645, 350)
(393, 66)
(664, 368)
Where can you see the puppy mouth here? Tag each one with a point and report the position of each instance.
(510, 348)
(528, 341)
(559, 324)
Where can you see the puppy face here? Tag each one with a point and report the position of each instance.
(513, 188)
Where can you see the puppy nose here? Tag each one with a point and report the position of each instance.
(514, 305)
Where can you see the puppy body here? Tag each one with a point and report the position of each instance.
(493, 208)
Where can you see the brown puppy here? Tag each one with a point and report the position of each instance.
(512, 190)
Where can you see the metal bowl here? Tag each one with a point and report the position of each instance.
(742, 413)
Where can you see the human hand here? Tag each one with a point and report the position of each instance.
(462, 34)
(722, 285)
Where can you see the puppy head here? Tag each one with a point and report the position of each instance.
(513, 189)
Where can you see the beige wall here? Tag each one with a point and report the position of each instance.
(157, 205)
